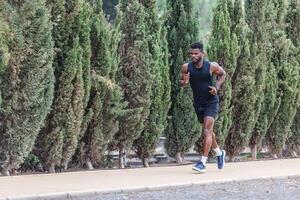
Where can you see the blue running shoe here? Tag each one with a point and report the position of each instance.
(221, 160)
(199, 167)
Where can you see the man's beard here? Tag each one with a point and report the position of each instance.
(197, 61)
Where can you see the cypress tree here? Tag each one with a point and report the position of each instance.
(288, 76)
(183, 127)
(134, 75)
(26, 78)
(243, 87)
(287, 67)
(104, 104)
(271, 99)
(59, 137)
(269, 108)
(145, 145)
(293, 32)
(257, 19)
(223, 48)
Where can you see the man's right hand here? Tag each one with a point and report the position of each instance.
(185, 79)
(184, 75)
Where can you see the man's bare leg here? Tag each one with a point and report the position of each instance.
(209, 136)
(209, 140)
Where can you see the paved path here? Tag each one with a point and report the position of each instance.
(93, 183)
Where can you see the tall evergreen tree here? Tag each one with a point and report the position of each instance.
(59, 137)
(271, 99)
(104, 104)
(134, 75)
(243, 88)
(293, 32)
(183, 127)
(258, 22)
(27, 78)
(223, 48)
(160, 89)
(287, 67)
(288, 76)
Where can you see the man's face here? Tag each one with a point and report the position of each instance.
(196, 55)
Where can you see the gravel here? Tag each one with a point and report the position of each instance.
(273, 189)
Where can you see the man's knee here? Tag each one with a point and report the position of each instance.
(207, 133)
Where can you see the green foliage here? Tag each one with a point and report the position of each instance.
(183, 127)
(288, 77)
(134, 75)
(155, 124)
(257, 19)
(26, 78)
(286, 63)
(31, 162)
(104, 106)
(293, 32)
(243, 87)
(59, 137)
(223, 48)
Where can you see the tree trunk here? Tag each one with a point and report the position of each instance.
(5, 172)
(179, 158)
(231, 158)
(65, 166)
(145, 162)
(51, 169)
(294, 154)
(121, 157)
(274, 156)
(89, 165)
(254, 152)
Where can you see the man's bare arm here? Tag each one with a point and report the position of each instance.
(184, 76)
(220, 72)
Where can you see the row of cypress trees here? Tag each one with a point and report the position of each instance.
(257, 45)
(74, 86)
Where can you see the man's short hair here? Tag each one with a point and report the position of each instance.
(197, 45)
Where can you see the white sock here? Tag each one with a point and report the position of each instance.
(203, 160)
(218, 151)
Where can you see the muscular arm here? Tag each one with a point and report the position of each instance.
(184, 76)
(220, 72)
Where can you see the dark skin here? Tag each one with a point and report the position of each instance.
(197, 56)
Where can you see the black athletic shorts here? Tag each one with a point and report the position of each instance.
(209, 110)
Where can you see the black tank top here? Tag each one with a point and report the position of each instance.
(200, 79)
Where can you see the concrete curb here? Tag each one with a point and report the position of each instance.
(95, 193)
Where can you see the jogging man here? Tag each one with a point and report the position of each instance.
(199, 73)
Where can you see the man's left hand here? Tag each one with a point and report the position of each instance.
(213, 90)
